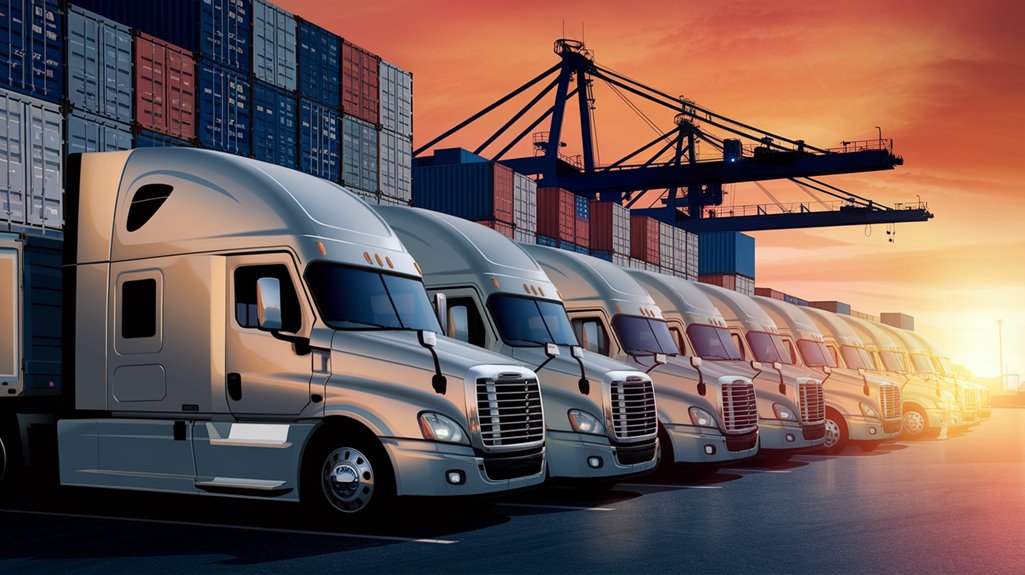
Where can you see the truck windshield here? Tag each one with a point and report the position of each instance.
(643, 336)
(857, 358)
(711, 342)
(923, 363)
(947, 366)
(815, 353)
(891, 361)
(525, 322)
(768, 347)
(355, 298)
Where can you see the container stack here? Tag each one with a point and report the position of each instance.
(833, 306)
(727, 259)
(524, 209)
(897, 320)
(674, 252)
(395, 144)
(582, 225)
(556, 218)
(791, 299)
(165, 93)
(466, 186)
(610, 232)
(645, 243)
(770, 293)
(876, 318)
(360, 97)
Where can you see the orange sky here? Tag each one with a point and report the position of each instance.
(945, 79)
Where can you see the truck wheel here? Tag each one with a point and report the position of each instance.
(836, 433)
(348, 474)
(915, 423)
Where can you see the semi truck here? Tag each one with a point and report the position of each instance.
(214, 325)
(704, 423)
(861, 409)
(791, 406)
(945, 367)
(600, 414)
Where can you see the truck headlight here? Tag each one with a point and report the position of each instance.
(868, 410)
(701, 418)
(583, 422)
(784, 412)
(437, 427)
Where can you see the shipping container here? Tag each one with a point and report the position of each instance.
(727, 253)
(547, 241)
(500, 227)
(524, 236)
(610, 227)
(165, 88)
(150, 139)
(607, 256)
(319, 62)
(42, 260)
(31, 150)
(319, 141)
(865, 316)
(395, 153)
(92, 133)
(32, 48)
(396, 99)
(898, 320)
(728, 281)
(390, 201)
(274, 44)
(666, 253)
(582, 223)
(745, 285)
(795, 300)
(645, 238)
(359, 155)
(833, 306)
(274, 126)
(360, 86)
(449, 156)
(525, 204)
(568, 246)
(223, 109)
(621, 260)
(769, 292)
(693, 260)
(556, 213)
(99, 65)
(464, 190)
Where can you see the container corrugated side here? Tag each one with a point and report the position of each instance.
(151, 139)
(795, 300)
(524, 236)
(275, 125)
(898, 320)
(31, 151)
(525, 204)
(396, 95)
(396, 159)
(727, 253)
(644, 238)
(92, 133)
(99, 65)
(274, 45)
(666, 251)
(360, 86)
(745, 285)
(728, 281)
(225, 32)
(582, 223)
(556, 211)
(833, 306)
(502, 188)
(769, 293)
(165, 87)
(223, 106)
(475, 191)
(359, 154)
(320, 54)
(32, 48)
(610, 227)
(693, 259)
(41, 325)
(319, 141)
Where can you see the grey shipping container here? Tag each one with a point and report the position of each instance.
(693, 263)
(274, 45)
(90, 133)
(387, 201)
(396, 89)
(666, 253)
(898, 320)
(318, 140)
(396, 160)
(31, 149)
(745, 285)
(525, 204)
(99, 65)
(359, 154)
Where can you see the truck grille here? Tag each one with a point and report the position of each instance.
(970, 400)
(739, 407)
(890, 401)
(509, 411)
(985, 398)
(633, 409)
(813, 408)
(641, 452)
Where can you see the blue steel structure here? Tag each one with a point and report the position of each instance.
(691, 188)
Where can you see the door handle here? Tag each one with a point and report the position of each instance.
(234, 386)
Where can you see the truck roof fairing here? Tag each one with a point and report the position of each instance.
(830, 322)
(680, 295)
(739, 307)
(792, 317)
(871, 333)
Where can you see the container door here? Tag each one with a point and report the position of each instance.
(266, 373)
(10, 319)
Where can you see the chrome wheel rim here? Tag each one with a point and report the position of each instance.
(348, 480)
(832, 434)
(914, 423)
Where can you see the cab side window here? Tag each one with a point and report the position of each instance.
(836, 356)
(681, 340)
(465, 322)
(245, 296)
(592, 335)
(791, 351)
(740, 345)
(139, 308)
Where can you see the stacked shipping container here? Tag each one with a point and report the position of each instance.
(395, 150)
(165, 88)
(524, 209)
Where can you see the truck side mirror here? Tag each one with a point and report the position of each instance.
(551, 350)
(695, 361)
(577, 352)
(268, 304)
(660, 359)
(441, 308)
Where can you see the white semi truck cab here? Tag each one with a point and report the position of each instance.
(791, 403)
(236, 328)
(860, 409)
(945, 368)
(600, 414)
(614, 316)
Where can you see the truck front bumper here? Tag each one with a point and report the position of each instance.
(422, 468)
(569, 454)
(861, 428)
(778, 435)
(693, 444)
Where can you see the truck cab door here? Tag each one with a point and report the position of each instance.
(266, 373)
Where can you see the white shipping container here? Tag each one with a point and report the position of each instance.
(359, 154)
(621, 260)
(31, 149)
(274, 45)
(368, 197)
(745, 285)
(389, 201)
(666, 255)
(396, 95)
(524, 236)
(525, 203)
(692, 257)
(620, 229)
(396, 158)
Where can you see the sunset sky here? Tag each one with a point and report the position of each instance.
(945, 79)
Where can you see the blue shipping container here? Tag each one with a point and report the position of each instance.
(31, 48)
(31, 154)
(607, 256)
(547, 241)
(795, 300)
(319, 52)
(274, 43)
(225, 29)
(464, 190)
(223, 106)
(319, 140)
(150, 139)
(274, 126)
(583, 208)
(41, 324)
(99, 64)
(726, 253)
(91, 133)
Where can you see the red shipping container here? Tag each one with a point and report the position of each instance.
(769, 292)
(500, 227)
(556, 214)
(583, 232)
(503, 193)
(644, 236)
(165, 88)
(601, 227)
(360, 77)
(728, 281)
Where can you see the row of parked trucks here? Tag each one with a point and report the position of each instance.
(209, 324)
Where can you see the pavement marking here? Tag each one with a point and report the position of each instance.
(567, 507)
(666, 486)
(239, 527)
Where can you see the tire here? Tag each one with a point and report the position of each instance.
(667, 459)
(346, 473)
(837, 435)
(914, 423)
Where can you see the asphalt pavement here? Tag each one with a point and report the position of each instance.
(939, 506)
